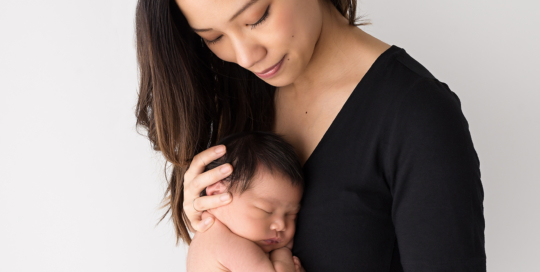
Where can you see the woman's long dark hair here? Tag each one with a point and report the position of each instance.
(189, 99)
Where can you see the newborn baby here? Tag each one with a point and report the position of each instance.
(254, 232)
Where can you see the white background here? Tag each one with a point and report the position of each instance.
(80, 189)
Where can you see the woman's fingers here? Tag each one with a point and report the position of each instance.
(201, 160)
(207, 220)
(205, 224)
(200, 204)
(209, 177)
(209, 202)
(195, 180)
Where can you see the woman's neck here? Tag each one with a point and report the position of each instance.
(340, 51)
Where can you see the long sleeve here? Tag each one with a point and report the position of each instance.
(433, 173)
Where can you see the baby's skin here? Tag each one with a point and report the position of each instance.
(252, 233)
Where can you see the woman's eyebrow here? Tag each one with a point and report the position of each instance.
(247, 5)
(251, 2)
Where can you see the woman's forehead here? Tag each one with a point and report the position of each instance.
(206, 13)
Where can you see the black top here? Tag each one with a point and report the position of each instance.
(394, 184)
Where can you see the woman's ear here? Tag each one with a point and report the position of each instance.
(216, 188)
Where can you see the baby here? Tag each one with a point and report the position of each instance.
(254, 232)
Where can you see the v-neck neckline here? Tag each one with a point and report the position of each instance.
(374, 66)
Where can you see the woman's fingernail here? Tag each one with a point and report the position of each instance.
(224, 197)
(220, 149)
(225, 169)
(207, 221)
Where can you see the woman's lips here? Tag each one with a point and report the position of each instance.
(272, 70)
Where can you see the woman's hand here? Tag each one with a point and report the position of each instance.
(196, 180)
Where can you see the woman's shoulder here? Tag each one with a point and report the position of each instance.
(421, 110)
(411, 64)
(400, 80)
(397, 70)
(401, 95)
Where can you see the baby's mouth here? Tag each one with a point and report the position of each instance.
(272, 241)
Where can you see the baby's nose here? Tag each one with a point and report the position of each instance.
(278, 225)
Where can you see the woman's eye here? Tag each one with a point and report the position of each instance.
(265, 15)
(213, 41)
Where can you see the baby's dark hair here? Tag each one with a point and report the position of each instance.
(246, 151)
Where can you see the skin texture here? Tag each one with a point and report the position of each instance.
(236, 241)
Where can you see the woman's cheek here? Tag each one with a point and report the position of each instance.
(283, 26)
(224, 51)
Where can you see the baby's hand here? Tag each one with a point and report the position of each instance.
(297, 265)
(290, 244)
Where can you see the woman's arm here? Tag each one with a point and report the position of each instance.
(434, 177)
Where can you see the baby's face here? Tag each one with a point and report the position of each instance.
(266, 213)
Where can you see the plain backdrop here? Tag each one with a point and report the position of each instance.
(80, 190)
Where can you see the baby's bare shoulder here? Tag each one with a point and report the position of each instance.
(217, 235)
(219, 248)
(206, 247)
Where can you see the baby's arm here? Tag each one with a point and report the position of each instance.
(242, 255)
(282, 259)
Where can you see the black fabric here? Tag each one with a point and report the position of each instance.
(394, 184)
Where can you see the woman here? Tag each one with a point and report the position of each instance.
(392, 177)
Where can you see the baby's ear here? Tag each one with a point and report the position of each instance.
(216, 188)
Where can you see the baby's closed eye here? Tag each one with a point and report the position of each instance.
(264, 210)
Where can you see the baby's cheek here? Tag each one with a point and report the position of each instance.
(258, 229)
(292, 228)
(292, 222)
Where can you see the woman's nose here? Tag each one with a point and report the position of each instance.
(248, 52)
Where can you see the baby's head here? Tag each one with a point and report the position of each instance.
(266, 184)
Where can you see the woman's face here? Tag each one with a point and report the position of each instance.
(258, 34)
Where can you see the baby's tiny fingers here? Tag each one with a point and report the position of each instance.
(297, 262)
(297, 266)
(290, 244)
